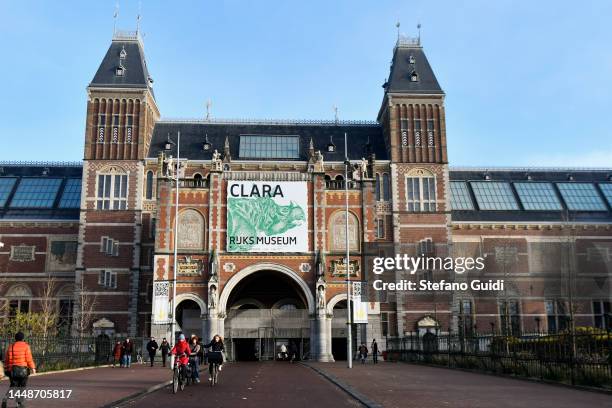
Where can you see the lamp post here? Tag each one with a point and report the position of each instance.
(176, 230)
(349, 335)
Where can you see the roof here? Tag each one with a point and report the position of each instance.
(193, 134)
(409, 58)
(531, 195)
(49, 191)
(136, 74)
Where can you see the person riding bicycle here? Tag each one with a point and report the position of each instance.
(216, 346)
(181, 350)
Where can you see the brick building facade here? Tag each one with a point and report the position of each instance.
(547, 232)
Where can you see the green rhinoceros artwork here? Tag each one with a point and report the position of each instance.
(260, 221)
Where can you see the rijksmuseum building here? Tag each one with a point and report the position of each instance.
(261, 242)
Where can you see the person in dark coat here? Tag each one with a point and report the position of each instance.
(152, 347)
(126, 352)
(117, 351)
(374, 351)
(293, 351)
(165, 349)
(363, 353)
(215, 345)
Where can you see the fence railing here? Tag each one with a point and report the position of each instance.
(58, 353)
(578, 359)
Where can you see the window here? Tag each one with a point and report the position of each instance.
(414, 77)
(404, 129)
(36, 193)
(115, 128)
(385, 187)
(149, 189)
(18, 306)
(556, 315)
(581, 197)
(606, 189)
(538, 196)
(510, 318)
(112, 191)
(377, 187)
(430, 132)
(128, 133)
(417, 132)
(601, 314)
(384, 323)
(120, 70)
(109, 246)
(108, 279)
(460, 196)
(421, 193)
(65, 314)
(269, 147)
(494, 195)
(101, 125)
(71, 196)
(380, 228)
(6, 186)
(426, 247)
(466, 317)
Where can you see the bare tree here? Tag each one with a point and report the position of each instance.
(49, 313)
(84, 310)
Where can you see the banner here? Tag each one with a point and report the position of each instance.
(360, 308)
(267, 216)
(161, 302)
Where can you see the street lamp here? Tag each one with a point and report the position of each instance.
(176, 230)
(349, 335)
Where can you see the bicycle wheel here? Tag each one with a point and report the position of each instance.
(175, 380)
(182, 378)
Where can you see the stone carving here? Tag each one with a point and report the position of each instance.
(191, 230)
(363, 167)
(22, 253)
(338, 231)
(216, 162)
(212, 297)
(213, 266)
(321, 297)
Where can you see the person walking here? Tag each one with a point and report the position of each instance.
(117, 352)
(152, 347)
(18, 365)
(363, 353)
(283, 352)
(126, 353)
(165, 349)
(194, 358)
(292, 352)
(374, 351)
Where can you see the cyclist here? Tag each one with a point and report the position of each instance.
(182, 351)
(216, 345)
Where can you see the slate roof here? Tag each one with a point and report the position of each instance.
(64, 200)
(193, 135)
(136, 73)
(553, 175)
(402, 69)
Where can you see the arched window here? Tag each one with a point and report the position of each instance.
(197, 179)
(18, 297)
(377, 187)
(421, 191)
(149, 193)
(385, 187)
(191, 230)
(337, 231)
(339, 177)
(112, 189)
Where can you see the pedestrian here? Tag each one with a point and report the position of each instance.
(165, 349)
(283, 352)
(194, 357)
(363, 353)
(18, 365)
(117, 352)
(126, 352)
(374, 351)
(152, 347)
(292, 352)
(216, 346)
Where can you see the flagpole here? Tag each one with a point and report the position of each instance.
(176, 230)
(349, 340)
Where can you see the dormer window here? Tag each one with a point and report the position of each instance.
(414, 77)
(331, 147)
(411, 59)
(123, 53)
(120, 70)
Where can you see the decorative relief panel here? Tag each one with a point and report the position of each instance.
(191, 230)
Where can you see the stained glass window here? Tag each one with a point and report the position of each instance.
(581, 197)
(6, 186)
(494, 195)
(36, 192)
(269, 147)
(538, 196)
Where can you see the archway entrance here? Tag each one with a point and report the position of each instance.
(265, 310)
(188, 317)
(338, 342)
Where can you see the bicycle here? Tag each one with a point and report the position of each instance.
(180, 377)
(214, 359)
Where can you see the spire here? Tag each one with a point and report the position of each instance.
(227, 155)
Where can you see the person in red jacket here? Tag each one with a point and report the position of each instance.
(18, 364)
(181, 350)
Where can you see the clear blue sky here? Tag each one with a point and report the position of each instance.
(527, 82)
